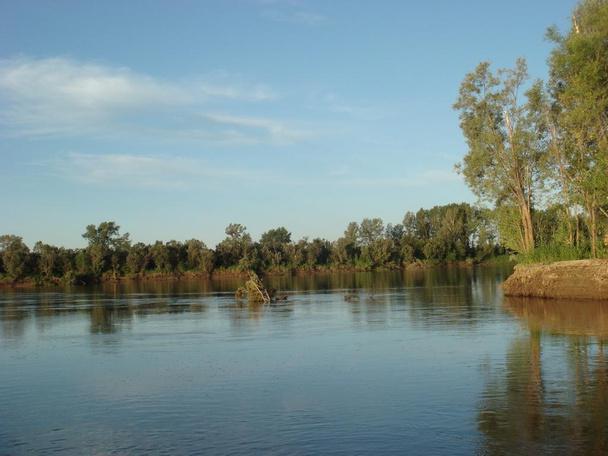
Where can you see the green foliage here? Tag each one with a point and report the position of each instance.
(346, 250)
(167, 257)
(540, 160)
(578, 83)
(274, 247)
(454, 232)
(106, 247)
(507, 218)
(505, 154)
(50, 261)
(552, 252)
(15, 256)
(199, 257)
(543, 161)
(234, 248)
(138, 258)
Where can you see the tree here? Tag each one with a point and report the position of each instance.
(160, 256)
(138, 258)
(579, 86)
(297, 253)
(48, 260)
(318, 253)
(346, 250)
(557, 172)
(274, 246)
(15, 256)
(234, 248)
(504, 156)
(207, 260)
(376, 249)
(370, 230)
(67, 262)
(166, 256)
(82, 263)
(199, 257)
(105, 240)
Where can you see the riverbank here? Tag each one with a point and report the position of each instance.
(578, 279)
(220, 274)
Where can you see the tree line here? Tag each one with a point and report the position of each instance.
(537, 153)
(544, 145)
(453, 232)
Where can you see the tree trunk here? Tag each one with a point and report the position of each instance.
(563, 178)
(593, 228)
(591, 223)
(528, 227)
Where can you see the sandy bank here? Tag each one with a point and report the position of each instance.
(582, 279)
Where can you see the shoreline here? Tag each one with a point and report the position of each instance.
(31, 283)
(575, 279)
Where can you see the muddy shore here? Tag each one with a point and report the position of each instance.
(581, 279)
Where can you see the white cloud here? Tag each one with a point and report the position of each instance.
(247, 93)
(339, 171)
(290, 11)
(431, 177)
(60, 96)
(150, 171)
(274, 130)
(336, 104)
(295, 17)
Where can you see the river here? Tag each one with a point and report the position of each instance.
(424, 362)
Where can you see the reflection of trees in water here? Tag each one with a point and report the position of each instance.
(337, 281)
(454, 295)
(372, 281)
(244, 314)
(526, 410)
(448, 295)
(586, 318)
(460, 293)
(106, 314)
(375, 310)
(241, 313)
(13, 321)
(510, 413)
(110, 316)
(109, 319)
(168, 286)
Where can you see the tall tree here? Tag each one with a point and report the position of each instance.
(15, 256)
(235, 247)
(504, 156)
(558, 175)
(105, 241)
(579, 86)
(48, 260)
(274, 246)
(138, 258)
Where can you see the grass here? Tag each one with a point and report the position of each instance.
(552, 253)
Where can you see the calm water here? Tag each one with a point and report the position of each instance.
(432, 362)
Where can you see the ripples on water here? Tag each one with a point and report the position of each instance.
(431, 362)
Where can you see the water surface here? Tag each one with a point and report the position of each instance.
(427, 362)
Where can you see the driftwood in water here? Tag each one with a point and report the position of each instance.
(254, 290)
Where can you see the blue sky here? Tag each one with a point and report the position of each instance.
(176, 118)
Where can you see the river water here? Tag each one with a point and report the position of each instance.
(427, 362)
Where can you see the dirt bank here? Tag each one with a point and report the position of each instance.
(583, 279)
